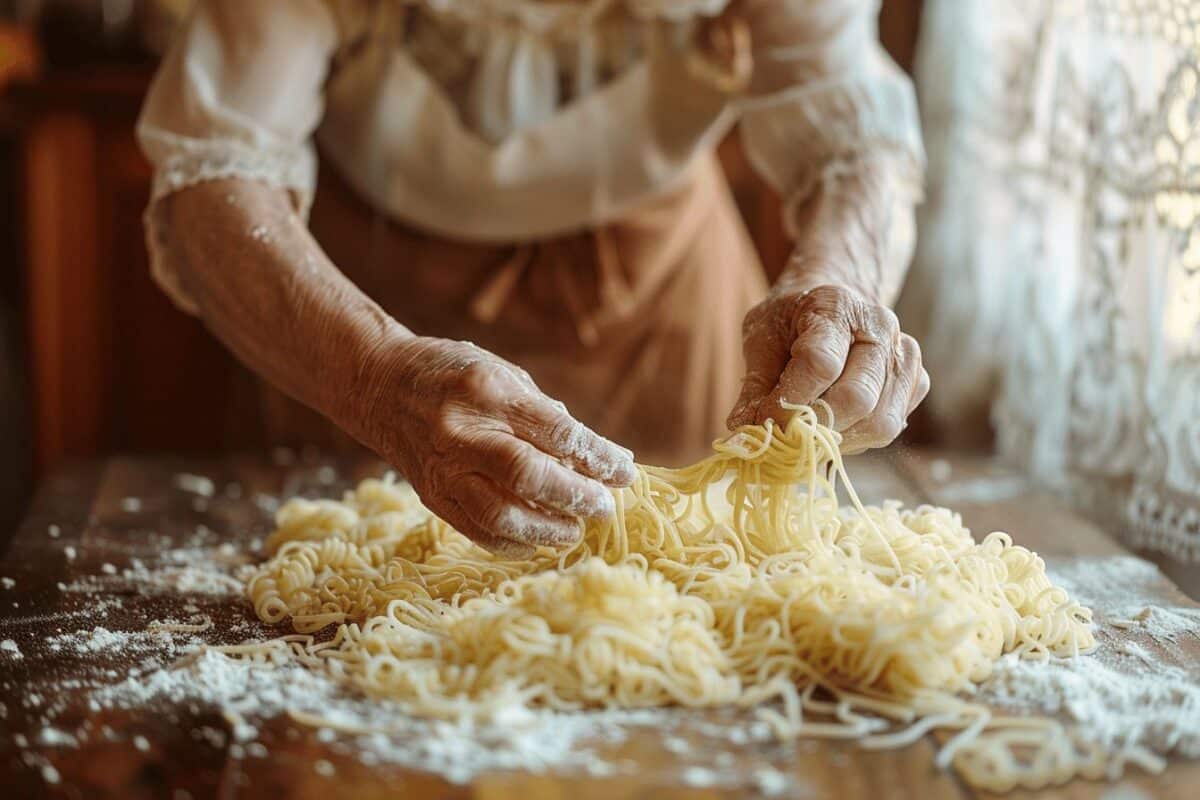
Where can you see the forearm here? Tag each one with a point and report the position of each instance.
(482, 446)
(264, 287)
(854, 230)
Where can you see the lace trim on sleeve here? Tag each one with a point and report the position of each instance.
(192, 162)
(798, 138)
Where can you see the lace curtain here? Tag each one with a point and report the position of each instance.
(1057, 282)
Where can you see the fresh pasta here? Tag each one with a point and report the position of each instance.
(736, 581)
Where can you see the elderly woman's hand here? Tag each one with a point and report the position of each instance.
(833, 344)
(825, 331)
(484, 448)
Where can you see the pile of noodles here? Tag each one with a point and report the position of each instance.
(735, 581)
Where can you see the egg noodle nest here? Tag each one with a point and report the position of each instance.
(737, 581)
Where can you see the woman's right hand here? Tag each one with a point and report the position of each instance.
(484, 448)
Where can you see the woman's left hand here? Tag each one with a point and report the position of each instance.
(834, 344)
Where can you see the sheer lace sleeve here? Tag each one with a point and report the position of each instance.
(238, 95)
(824, 94)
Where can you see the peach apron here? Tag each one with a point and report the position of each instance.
(635, 324)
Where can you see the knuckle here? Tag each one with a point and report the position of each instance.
(888, 426)
(923, 384)
(887, 320)
(753, 320)
(564, 433)
(443, 424)
(477, 379)
(832, 302)
(819, 359)
(447, 429)
(858, 397)
(498, 517)
(826, 294)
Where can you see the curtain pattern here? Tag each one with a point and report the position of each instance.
(1058, 275)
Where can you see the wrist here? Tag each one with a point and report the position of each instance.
(841, 233)
(808, 269)
(378, 373)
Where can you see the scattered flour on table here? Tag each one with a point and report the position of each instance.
(56, 738)
(103, 640)
(185, 571)
(1117, 705)
(248, 694)
(173, 669)
(1123, 696)
(196, 484)
(1122, 592)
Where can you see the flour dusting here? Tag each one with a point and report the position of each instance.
(1123, 697)
(249, 694)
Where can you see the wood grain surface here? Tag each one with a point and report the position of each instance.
(155, 752)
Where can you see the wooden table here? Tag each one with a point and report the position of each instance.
(156, 755)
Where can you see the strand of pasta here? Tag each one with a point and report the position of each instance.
(738, 580)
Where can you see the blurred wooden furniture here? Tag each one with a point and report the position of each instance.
(113, 365)
(101, 528)
(19, 56)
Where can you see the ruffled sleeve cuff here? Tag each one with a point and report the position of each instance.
(799, 137)
(183, 162)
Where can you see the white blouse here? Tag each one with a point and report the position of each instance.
(508, 120)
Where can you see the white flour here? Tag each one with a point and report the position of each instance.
(102, 640)
(1121, 591)
(1126, 695)
(176, 671)
(379, 732)
(192, 571)
(1117, 701)
(1123, 696)
(196, 484)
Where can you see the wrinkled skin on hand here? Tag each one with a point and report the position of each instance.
(485, 449)
(831, 343)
